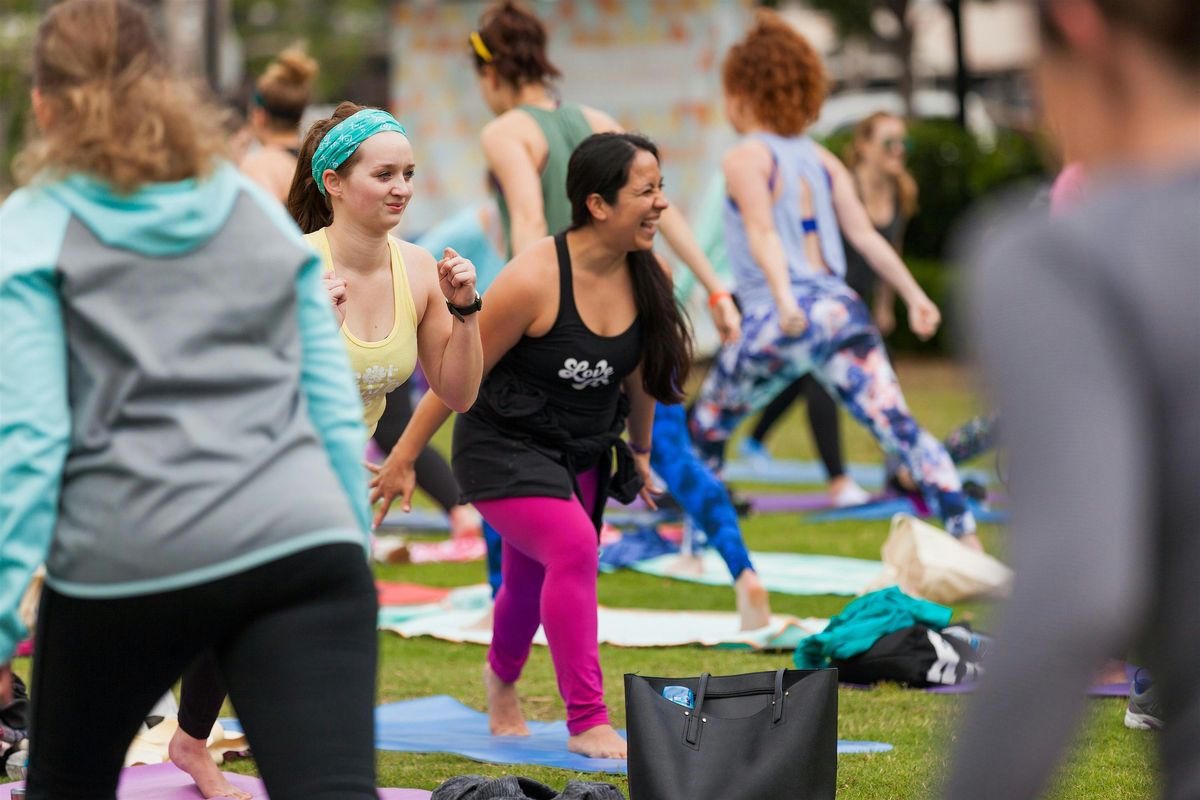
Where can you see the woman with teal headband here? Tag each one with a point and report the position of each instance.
(393, 302)
(353, 181)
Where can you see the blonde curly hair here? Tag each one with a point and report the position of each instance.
(114, 111)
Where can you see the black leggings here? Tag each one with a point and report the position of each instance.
(295, 640)
(433, 473)
(822, 419)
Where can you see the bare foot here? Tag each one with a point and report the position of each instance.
(753, 602)
(972, 541)
(192, 756)
(602, 741)
(504, 706)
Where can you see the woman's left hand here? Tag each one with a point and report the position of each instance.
(650, 487)
(457, 278)
(923, 317)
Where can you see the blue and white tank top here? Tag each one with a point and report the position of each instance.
(795, 160)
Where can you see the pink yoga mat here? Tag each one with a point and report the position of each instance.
(166, 782)
(409, 594)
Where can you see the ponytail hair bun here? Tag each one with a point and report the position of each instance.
(515, 40)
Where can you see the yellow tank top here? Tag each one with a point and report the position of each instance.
(380, 367)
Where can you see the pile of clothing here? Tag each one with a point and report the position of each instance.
(887, 635)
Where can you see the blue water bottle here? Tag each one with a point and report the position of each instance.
(680, 695)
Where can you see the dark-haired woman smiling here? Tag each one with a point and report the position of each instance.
(581, 336)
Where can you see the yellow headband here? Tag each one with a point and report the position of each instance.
(480, 48)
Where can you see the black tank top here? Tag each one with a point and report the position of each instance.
(550, 407)
(859, 275)
(580, 371)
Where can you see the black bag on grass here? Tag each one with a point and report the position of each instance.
(760, 736)
(917, 656)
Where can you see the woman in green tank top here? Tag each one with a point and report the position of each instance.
(528, 145)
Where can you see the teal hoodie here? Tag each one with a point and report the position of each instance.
(118, 312)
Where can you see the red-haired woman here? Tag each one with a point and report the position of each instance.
(790, 201)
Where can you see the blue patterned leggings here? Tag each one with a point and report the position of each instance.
(693, 484)
(844, 351)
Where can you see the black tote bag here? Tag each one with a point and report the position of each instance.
(759, 736)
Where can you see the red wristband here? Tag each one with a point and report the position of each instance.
(717, 297)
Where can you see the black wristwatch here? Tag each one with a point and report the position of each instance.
(462, 312)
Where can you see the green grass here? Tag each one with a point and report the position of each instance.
(1108, 761)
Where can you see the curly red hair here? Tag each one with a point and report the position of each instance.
(778, 73)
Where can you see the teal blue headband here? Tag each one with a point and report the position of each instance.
(345, 137)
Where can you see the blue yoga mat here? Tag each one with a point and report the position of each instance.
(441, 724)
(788, 472)
(888, 507)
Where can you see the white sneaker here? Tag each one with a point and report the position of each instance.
(851, 494)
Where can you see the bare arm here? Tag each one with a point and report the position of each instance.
(509, 160)
(856, 225)
(747, 170)
(450, 351)
(679, 235)
(514, 302)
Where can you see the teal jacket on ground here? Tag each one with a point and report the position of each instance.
(176, 404)
(865, 621)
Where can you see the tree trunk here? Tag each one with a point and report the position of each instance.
(961, 77)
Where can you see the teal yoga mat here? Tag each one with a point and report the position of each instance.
(786, 573)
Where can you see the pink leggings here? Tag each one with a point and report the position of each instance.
(550, 561)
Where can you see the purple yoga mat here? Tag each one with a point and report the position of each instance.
(1095, 690)
(167, 782)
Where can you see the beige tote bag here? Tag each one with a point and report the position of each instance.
(930, 563)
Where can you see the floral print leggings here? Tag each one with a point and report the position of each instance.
(845, 352)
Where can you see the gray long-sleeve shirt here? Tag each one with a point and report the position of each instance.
(1089, 330)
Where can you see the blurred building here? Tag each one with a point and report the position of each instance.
(653, 65)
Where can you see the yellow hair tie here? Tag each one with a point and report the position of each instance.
(480, 48)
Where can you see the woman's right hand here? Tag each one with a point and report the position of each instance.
(727, 319)
(397, 477)
(792, 319)
(337, 295)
